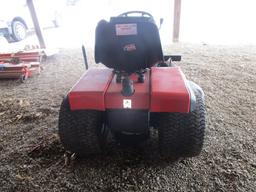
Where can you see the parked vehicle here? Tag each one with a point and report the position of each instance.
(16, 21)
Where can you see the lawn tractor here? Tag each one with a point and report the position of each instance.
(138, 91)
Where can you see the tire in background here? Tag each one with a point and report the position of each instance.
(19, 30)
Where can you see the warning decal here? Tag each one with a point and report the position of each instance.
(127, 103)
(126, 29)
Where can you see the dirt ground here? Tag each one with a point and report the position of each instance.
(31, 156)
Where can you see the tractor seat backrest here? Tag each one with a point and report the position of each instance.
(128, 44)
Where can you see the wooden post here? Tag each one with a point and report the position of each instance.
(36, 24)
(176, 21)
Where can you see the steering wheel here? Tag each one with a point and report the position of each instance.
(143, 14)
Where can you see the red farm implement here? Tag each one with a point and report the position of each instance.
(20, 65)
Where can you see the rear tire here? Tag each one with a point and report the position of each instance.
(80, 131)
(169, 134)
(182, 134)
(195, 129)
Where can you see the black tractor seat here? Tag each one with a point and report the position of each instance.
(128, 44)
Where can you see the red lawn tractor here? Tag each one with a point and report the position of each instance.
(139, 88)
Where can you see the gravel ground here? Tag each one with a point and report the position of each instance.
(31, 156)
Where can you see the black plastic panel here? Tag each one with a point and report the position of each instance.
(128, 121)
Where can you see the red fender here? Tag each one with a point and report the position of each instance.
(164, 90)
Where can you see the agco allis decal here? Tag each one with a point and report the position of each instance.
(129, 47)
